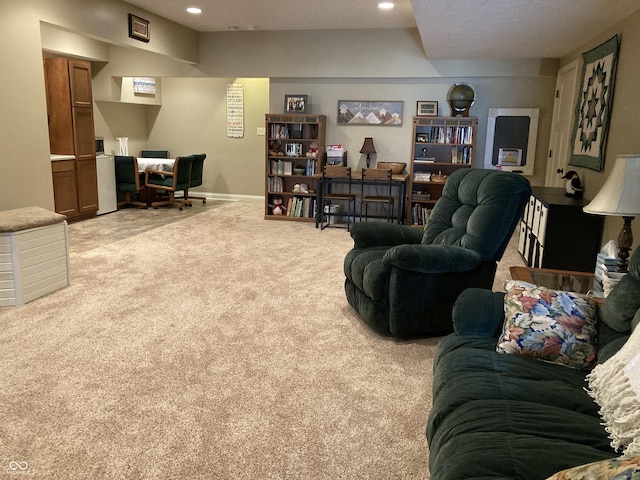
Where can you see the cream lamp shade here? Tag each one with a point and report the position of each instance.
(620, 196)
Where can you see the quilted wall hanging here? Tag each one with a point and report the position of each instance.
(593, 107)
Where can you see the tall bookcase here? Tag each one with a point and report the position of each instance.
(295, 147)
(440, 146)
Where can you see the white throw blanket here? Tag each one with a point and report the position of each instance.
(615, 386)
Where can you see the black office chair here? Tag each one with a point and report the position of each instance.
(154, 153)
(128, 180)
(197, 168)
(170, 182)
(383, 185)
(333, 176)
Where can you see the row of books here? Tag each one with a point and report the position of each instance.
(420, 214)
(285, 167)
(461, 154)
(293, 130)
(441, 134)
(275, 184)
(301, 207)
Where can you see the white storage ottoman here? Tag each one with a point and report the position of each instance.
(34, 254)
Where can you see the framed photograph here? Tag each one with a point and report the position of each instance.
(427, 108)
(370, 112)
(295, 103)
(138, 28)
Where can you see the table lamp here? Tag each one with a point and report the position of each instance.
(368, 149)
(620, 196)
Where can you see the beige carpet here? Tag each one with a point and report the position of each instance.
(220, 346)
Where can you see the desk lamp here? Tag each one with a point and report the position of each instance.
(368, 149)
(620, 196)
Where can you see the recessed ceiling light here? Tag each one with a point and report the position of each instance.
(233, 27)
(252, 27)
(194, 10)
(385, 5)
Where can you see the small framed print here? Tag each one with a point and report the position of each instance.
(295, 103)
(427, 108)
(138, 28)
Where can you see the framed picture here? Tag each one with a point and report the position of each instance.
(427, 108)
(138, 28)
(295, 103)
(370, 112)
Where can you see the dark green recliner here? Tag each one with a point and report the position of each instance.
(403, 281)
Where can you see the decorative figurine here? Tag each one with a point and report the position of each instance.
(573, 186)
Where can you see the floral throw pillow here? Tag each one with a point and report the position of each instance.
(550, 325)
(613, 469)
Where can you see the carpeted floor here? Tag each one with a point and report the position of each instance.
(208, 345)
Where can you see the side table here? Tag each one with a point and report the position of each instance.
(567, 280)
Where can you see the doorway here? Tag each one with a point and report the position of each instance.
(561, 124)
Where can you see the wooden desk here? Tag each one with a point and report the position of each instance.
(399, 180)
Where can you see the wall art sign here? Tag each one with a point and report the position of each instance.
(138, 28)
(370, 112)
(593, 107)
(235, 110)
(144, 85)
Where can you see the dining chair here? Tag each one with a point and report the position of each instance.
(197, 168)
(154, 153)
(170, 182)
(383, 192)
(331, 177)
(128, 180)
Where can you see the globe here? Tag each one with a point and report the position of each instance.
(460, 97)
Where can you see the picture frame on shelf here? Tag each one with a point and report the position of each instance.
(295, 103)
(427, 108)
(138, 28)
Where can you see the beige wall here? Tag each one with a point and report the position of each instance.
(25, 171)
(624, 134)
(193, 120)
(394, 143)
(25, 177)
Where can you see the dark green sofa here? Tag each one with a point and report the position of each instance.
(497, 415)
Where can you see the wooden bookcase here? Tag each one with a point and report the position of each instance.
(294, 149)
(440, 146)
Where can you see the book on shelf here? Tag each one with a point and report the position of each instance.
(275, 184)
(420, 214)
(279, 130)
(450, 134)
(460, 154)
(312, 167)
(289, 205)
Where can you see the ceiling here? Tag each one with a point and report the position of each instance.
(449, 29)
